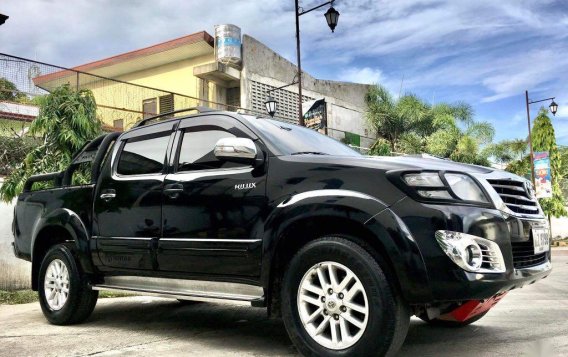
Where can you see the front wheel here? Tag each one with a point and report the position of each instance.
(64, 294)
(337, 301)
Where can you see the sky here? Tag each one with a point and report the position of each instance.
(483, 52)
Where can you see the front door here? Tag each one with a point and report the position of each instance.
(212, 209)
(127, 210)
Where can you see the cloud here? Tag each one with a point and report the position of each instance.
(482, 51)
(364, 75)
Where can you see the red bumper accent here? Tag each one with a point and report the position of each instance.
(472, 308)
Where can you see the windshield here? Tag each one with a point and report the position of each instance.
(296, 140)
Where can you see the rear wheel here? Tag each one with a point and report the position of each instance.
(64, 293)
(337, 301)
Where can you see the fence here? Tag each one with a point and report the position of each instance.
(120, 104)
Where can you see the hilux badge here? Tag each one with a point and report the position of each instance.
(245, 186)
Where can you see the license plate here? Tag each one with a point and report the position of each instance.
(541, 241)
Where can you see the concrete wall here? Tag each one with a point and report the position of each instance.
(346, 105)
(14, 273)
(559, 227)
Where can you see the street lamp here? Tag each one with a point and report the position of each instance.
(3, 19)
(331, 17)
(553, 109)
(271, 106)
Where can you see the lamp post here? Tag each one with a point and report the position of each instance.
(331, 17)
(271, 104)
(553, 109)
(3, 19)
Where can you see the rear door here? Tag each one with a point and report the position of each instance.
(212, 210)
(127, 207)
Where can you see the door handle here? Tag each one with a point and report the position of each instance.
(173, 190)
(108, 195)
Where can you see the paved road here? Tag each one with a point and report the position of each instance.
(529, 319)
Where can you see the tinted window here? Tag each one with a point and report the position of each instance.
(197, 150)
(143, 156)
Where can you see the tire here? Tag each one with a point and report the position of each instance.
(80, 300)
(381, 315)
(454, 324)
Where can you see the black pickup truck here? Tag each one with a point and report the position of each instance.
(344, 247)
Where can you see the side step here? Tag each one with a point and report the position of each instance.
(185, 289)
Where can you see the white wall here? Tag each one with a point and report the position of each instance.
(559, 227)
(14, 273)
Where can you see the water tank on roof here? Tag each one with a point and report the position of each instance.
(228, 44)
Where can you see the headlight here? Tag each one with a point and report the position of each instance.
(465, 188)
(445, 186)
(471, 253)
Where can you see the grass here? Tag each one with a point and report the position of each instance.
(17, 297)
(26, 296)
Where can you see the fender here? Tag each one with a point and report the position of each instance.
(71, 222)
(369, 212)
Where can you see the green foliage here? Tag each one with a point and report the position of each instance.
(13, 151)
(411, 126)
(66, 121)
(381, 147)
(544, 140)
(507, 151)
(9, 92)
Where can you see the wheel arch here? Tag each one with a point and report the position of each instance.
(368, 223)
(60, 226)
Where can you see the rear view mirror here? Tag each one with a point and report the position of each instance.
(236, 150)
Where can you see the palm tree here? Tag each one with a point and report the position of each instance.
(411, 126)
(391, 118)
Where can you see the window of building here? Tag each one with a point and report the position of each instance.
(166, 103)
(197, 151)
(149, 108)
(118, 124)
(146, 156)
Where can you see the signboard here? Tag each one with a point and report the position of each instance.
(314, 112)
(542, 175)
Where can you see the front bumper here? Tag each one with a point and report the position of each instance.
(447, 281)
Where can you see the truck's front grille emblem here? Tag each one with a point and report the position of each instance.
(515, 196)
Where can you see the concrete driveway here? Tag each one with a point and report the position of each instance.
(530, 321)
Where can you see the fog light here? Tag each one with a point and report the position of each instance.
(471, 253)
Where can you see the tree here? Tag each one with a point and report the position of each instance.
(391, 118)
(412, 126)
(544, 140)
(9, 91)
(507, 151)
(66, 121)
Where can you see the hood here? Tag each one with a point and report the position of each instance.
(419, 163)
(387, 163)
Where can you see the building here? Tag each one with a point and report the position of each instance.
(15, 118)
(190, 71)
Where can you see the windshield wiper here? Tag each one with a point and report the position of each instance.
(309, 153)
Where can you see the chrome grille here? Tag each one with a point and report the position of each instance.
(515, 196)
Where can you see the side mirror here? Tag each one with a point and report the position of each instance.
(236, 150)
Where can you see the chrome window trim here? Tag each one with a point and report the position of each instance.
(187, 176)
